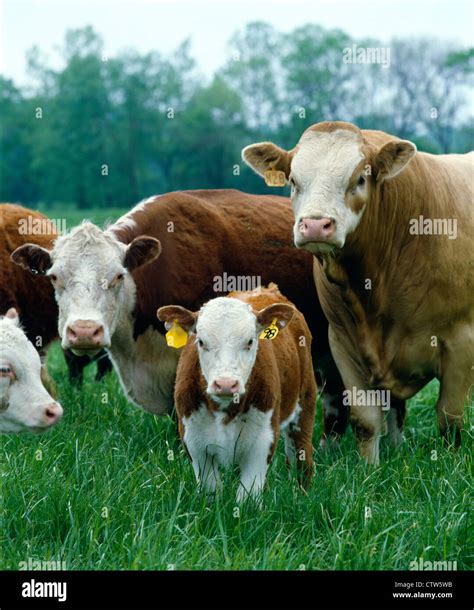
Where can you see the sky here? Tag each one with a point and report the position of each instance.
(162, 25)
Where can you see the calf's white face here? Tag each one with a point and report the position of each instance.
(25, 403)
(332, 173)
(89, 269)
(227, 337)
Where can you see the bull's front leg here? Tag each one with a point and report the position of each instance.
(367, 420)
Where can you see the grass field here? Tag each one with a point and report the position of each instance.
(101, 491)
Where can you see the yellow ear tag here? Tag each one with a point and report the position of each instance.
(274, 177)
(176, 336)
(270, 332)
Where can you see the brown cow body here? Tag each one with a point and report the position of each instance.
(280, 389)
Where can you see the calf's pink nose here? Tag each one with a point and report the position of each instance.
(317, 229)
(85, 334)
(52, 413)
(225, 386)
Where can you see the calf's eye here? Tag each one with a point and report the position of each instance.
(249, 344)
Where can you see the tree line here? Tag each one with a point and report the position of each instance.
(107, 131)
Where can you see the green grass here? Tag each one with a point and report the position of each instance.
(107, 454)
(75, 216)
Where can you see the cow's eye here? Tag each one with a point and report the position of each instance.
(119, 277)
(200, 342)
(53, 277)
(6, 371)
(249, 344)
(361, 180)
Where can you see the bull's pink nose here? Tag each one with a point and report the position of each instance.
(85, 334)
(317, 229)
(225, 386)
(52, 413)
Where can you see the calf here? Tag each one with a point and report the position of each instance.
(24, 402)
(391, 231)
(234, 392)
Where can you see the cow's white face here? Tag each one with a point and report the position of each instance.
(227, 334)
(333, 174)
(25, 403)
(89, 269)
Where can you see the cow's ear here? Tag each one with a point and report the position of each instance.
(33, 258)
(280, 312)
(142, 250)
(175, 313)
(264, 156)
(393, 158)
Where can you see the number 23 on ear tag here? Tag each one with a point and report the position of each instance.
(270, 332)
(274, 177)
(176, 336)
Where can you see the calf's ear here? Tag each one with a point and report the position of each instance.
(281, 312)
(33, 258)
(171, 313)
(142, 250)
(393, 157)
(263, 156)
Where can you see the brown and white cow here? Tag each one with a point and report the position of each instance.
(110, 283)
(235, 389)
(33, 298)
(396, 290)
(25, 404)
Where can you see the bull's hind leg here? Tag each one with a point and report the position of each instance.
(395, 421)
(335, 412)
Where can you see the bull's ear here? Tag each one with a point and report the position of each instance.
(280, 312)
(266, 155)
(393, 157)
(33, 258)
(171, 313)
(142, 250)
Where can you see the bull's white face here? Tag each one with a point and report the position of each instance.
(324, 186)
(90, 271)
(25, 403)
(333, 173)
(227, 334)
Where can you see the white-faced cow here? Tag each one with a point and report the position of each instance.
(25, 404)
(33, 298)
(391, 232)
(109, 284)
(236, 389)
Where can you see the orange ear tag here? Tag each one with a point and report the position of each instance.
(274, 177)
(176, 336)
(270, 332)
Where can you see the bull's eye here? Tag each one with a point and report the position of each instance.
(361, 180)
